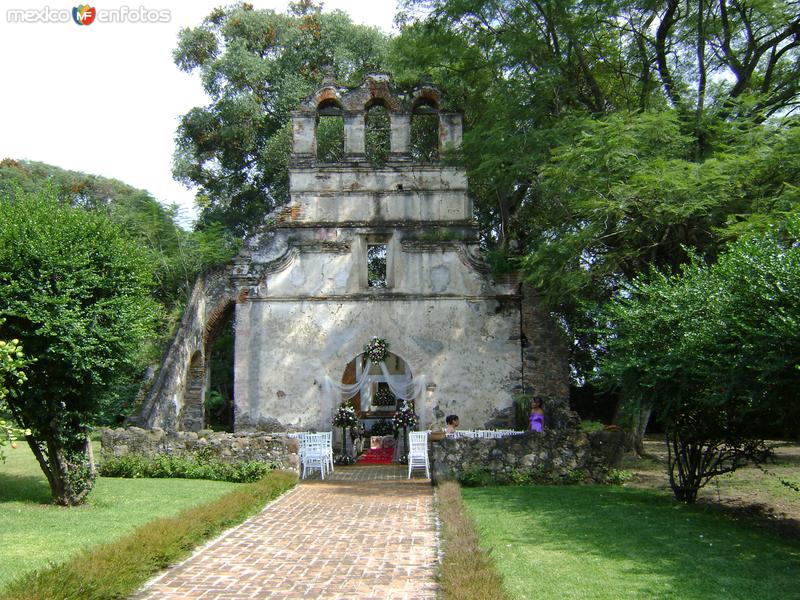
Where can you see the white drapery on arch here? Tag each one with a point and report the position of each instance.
(335, 392)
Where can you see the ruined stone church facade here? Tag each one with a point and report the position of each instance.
(305, 300)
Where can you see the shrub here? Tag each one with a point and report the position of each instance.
(197, 466)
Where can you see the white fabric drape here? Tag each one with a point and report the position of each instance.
(334, 392)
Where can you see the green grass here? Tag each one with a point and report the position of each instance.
(599, 542)
(35, 532)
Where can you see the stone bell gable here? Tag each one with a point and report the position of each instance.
(365, 250)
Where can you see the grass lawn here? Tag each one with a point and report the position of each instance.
(35, 532)
(604, 542)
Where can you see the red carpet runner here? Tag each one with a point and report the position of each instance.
(379, 456)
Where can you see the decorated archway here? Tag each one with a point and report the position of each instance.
(376, 382)
(375, 398)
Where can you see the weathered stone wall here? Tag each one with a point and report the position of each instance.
(545, 358)
(553, 453)
(175, 398)
(466, 348)
(228, 447)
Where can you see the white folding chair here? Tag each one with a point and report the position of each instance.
(418, 452)
(328, 438)
(301, 445)
(315, 454)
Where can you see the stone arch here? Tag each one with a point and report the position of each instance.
(396, 365)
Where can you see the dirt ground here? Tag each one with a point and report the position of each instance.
(749, 494)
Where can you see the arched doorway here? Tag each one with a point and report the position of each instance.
(376, 405)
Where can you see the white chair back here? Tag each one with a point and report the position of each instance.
(418, 452)
(315, 454)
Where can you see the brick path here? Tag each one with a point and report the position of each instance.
(369, 533)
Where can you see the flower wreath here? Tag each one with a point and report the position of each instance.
(377, 350)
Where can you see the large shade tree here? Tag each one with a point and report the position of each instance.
(603, 137)
(74, 291)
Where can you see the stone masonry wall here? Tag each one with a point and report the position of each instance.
(550, 454)
(228, 447)
(545, 358)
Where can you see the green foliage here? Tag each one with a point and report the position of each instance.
(175, 256)
(716, 350)
(197, 466)
(12, 378)
(377, 131)
(74, 289)
(598, 144)
(255, 66)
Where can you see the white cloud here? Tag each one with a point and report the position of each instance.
(105, 98)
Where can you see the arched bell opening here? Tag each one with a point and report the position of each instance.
(425, 131)
(330, 131)
(377, 132)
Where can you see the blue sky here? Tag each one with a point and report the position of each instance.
(105, 98)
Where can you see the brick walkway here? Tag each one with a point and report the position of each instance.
(368, 533)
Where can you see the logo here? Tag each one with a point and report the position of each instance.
(84, 14)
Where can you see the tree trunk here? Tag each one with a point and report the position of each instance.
(70, 481)
(635, 424)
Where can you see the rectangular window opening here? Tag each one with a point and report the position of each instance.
(376, 265)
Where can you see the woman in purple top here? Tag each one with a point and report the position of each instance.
(537, 414)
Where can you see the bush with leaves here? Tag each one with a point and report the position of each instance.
(197, 466)
(74, 289)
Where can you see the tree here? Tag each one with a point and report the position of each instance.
(603, 137)
(256, 65)
(176, 256)
(716, 350)
(74, 290)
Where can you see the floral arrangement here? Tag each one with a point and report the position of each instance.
(405, 417)
(377, 350)
(345, 416)
(384, 397)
